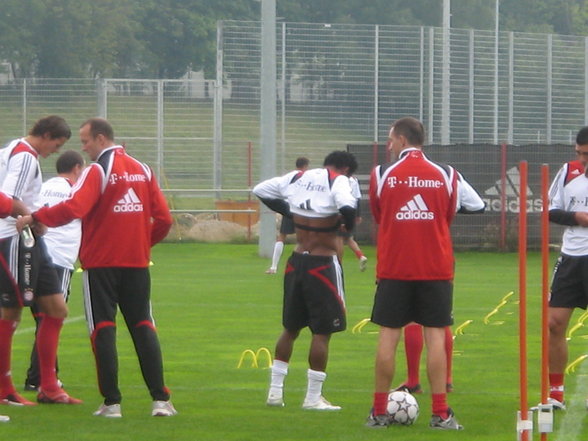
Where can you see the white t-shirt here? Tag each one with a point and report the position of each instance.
(318, 192)
(63, 243)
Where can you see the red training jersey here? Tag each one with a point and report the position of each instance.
(414, 201)
(122, 208)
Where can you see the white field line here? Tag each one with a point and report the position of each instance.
(32, 329)
(571, 423)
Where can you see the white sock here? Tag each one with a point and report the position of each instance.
(279, 372)
(315, 385)
(278, 250)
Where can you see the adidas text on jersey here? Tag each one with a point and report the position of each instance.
(129, 202)
(415, 209)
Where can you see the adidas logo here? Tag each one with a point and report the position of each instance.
(415, 209)
(492, 195)
(512, 187)
(130, 202)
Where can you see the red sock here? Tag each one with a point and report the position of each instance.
(380, 403)
(413, 346)
(449, 352)
(359, 254)
(556, 386)
(440, 406)
(47, 341)
(7, 328)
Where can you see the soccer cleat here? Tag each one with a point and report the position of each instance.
(275, 400)
(163, 409)
(416, 389)
(14, 399)
(320, 404)
(109, 411)
(557, 405)
(56, 397)
(450, 423)
(271, 270)
(363, 263)
(30, 387)
(33, 386)
(449, 387)
(4, 418)
(378, 421)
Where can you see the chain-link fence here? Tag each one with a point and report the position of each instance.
(337, 85)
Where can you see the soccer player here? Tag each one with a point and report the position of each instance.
(319, 201)
(63, 243)
(569, 289)
(286, 225)
(123, 213)
(346, 238)
(414, 201)
(20, 178)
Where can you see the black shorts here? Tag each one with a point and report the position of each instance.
(44, 281)
(569, 288)
(107, 289)
(287, 226)
(313, 294)
(427, 302)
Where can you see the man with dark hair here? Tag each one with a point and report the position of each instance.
(20, 178)
(414, 201)
(569, 288)
(123, 213)
(63, 243)
(286, 226)
(320, 203)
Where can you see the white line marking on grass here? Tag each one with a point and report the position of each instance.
(571, 423)
(32, 329)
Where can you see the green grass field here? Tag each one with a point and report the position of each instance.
(213, 301)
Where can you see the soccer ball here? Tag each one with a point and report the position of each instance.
(402, 407)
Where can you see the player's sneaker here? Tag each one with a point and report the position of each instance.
(450, 423)
(58, 396)
(163, 409)
(271, 270)
(362, 263)
(320, 404)
(557, 405)
(416, 389)
(32, 386)
(275, 400)
(14, 399)
(377, 421)
(109, 411)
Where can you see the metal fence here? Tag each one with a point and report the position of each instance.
(337, 85)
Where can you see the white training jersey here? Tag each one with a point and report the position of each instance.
(20, 178)
(569, 192)
(318, 192)
(63, 243)
(355, 190)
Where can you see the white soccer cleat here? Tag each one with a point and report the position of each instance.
(320, 404)
(163, 408)
(109, 411)
(4, 418)
(363, 263)
(275, 400)
(271, 271)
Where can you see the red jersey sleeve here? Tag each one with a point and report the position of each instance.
(6, 205)
(84, 196)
